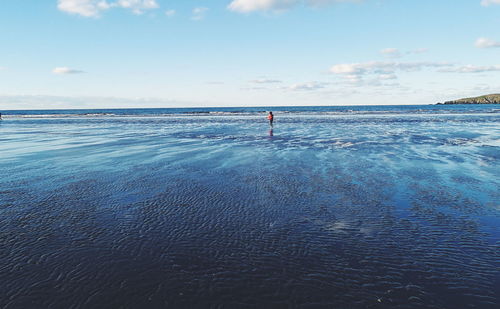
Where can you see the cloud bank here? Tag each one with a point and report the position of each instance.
(378, 73)
(382, 67)
(8, 102)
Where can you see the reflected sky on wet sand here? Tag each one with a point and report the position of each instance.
(324, 211)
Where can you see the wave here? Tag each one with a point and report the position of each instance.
(254, 111)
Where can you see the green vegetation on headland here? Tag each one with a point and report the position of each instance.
(484, 99)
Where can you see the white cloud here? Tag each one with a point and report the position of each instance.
(353, 78)
(327, 2)
(472, 69)
(418, 51)
(87, 8)
(93, 8)
(137, 6)
(486, 43)
(396, 53)
(387, 76)
(199, 13)
(260, 5)
(265, 81)
(66, 70)
(348, 69)
(170, 13)
(391, 52)
(306, 86)
(246, 6)
(255, 88)
(489, 2)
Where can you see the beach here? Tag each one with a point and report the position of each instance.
(340, 207)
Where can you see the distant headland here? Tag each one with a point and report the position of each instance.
(484, 99)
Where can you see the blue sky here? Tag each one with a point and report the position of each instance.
(165, 53)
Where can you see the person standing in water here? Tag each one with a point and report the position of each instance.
(270, 117)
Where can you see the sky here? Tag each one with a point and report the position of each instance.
(166, 53)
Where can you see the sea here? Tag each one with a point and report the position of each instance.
(333, 207)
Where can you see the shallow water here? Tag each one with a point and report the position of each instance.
(326, 211)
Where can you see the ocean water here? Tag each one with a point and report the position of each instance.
(335, 207)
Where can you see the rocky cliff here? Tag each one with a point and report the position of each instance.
(485, 99)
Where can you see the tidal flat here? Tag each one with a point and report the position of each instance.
(329, 209)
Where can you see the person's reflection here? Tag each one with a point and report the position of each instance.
(271, 133)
